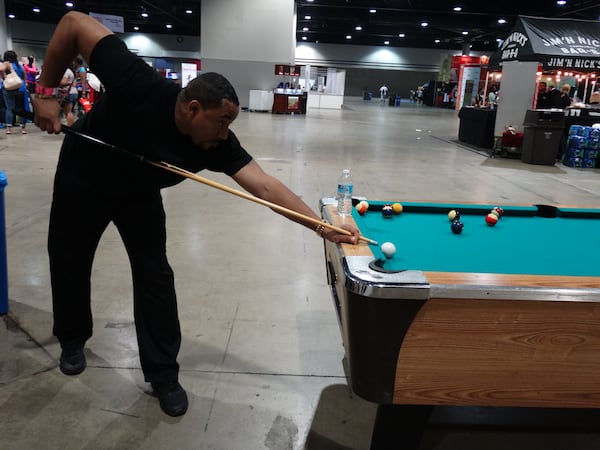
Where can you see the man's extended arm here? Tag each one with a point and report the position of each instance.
(253, 179)
(76, 34)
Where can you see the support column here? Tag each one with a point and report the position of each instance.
(244, 40)
(3, 28)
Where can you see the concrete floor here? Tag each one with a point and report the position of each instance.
(261, 352)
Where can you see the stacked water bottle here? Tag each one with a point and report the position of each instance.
(583, 145)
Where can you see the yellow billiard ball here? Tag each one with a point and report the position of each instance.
(397, 208)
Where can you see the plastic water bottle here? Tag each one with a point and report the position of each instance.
(344, 194)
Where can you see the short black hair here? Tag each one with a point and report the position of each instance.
(10, 56)
(209, 89)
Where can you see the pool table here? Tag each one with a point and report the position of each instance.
(504, 316)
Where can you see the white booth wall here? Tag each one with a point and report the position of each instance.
(517, 91)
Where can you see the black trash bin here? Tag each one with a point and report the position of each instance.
(542, 134)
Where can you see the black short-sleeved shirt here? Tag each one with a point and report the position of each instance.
(135, 113)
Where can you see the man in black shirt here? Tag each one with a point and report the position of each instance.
(543, 99)
(93, 187)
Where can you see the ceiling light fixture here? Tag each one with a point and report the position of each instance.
(69, 4)
(36, 10)
(402, 35)
(169, 26)
(358, 28)
(188, 11)
(307, 17)
(386, 42)
(501, 21)
(372, 11)
(424, 24)
(457, 8)
(144, 14)
(348, 36)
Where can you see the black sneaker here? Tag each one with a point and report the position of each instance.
(72, 361)
(173, 399)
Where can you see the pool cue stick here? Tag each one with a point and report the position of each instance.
(274, 206)
(192, 176)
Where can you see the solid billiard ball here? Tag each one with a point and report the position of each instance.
(453, 215)
(387, 211)
(491, 219)
(362, 207)
(397, 208)
(457, 226)
(388, 249)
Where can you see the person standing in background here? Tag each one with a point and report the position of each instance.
(493, 97)
(383, 92)
(81, 85)
(68, 95)
(553, 97)
(543, 101)
(31, 73)
(14, 98)
(480, 99)
(563, 100)
(2, 105)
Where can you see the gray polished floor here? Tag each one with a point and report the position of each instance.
(261, 352)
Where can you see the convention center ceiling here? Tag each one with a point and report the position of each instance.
(456, 24)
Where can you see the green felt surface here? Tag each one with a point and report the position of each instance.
(520, 243)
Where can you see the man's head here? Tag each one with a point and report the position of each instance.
(210, 89)
(205, 109)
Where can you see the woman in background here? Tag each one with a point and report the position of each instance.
(31, 73)
(14, 98)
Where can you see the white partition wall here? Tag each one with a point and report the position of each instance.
(517, 90)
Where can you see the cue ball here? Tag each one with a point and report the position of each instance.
(453, 215)
(457, 226)
(387, 211)
(388, 249)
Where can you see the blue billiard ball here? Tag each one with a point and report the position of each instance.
(387, 211)
(457, 226)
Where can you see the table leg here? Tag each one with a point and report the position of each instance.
(399, 426)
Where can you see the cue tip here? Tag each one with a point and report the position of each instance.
(370, 241)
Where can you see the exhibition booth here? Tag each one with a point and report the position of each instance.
(543, 51)
(300, 88)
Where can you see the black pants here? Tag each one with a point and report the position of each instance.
(77, 221)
